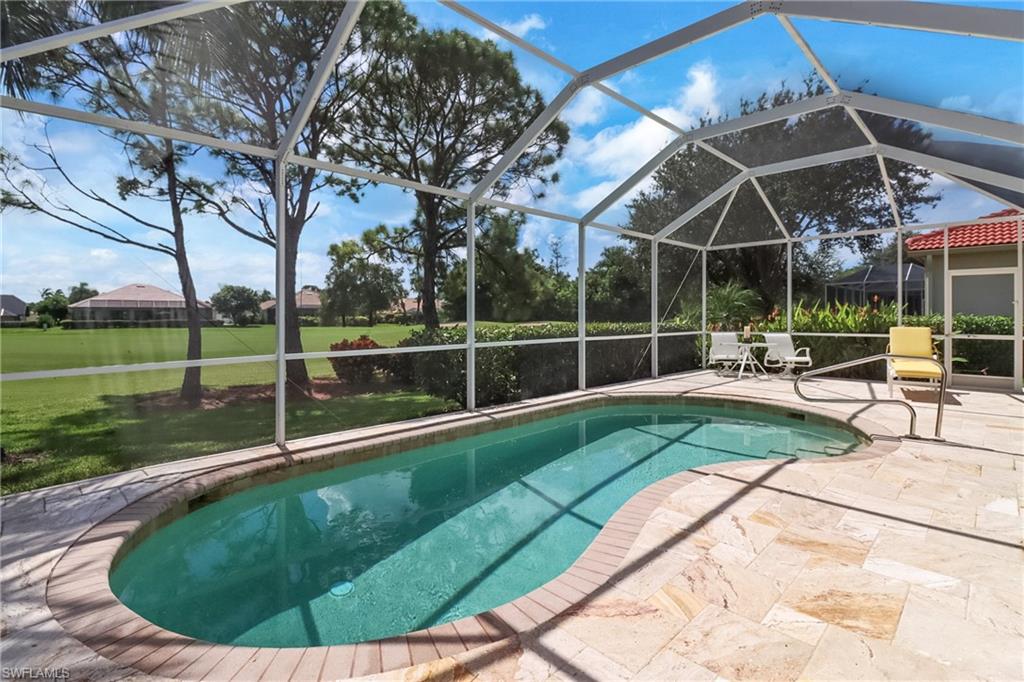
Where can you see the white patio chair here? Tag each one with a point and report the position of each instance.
(781, 353)
(725, 351)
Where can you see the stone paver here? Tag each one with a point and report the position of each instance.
(903, 565)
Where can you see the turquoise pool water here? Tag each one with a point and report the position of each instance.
(430, 535)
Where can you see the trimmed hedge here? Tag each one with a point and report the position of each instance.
(508, 374)
(133, 324)
(514, 373)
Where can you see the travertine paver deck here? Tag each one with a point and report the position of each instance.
(902, 566)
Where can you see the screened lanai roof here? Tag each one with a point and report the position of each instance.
(748, 155)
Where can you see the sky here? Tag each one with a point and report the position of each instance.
(608, 140)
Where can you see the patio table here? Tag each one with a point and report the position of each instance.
(747, 356)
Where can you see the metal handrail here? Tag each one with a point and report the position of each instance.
(892, 401)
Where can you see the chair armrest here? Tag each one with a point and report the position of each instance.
(805, 350)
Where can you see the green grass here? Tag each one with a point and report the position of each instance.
(23, 350)
(66, 429)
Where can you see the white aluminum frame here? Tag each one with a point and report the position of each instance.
(1017, 277)
(977, 21)
(140, 20)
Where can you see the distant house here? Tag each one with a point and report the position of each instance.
(136, 302)
(307, 302)
(412, 306)
(971, 246)
(12, 308)
(877, 284)
(406, 306)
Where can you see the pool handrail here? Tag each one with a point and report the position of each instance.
(875, 358)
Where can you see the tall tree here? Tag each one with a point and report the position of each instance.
(382, 288)
(238, 303)
(829, 199)
(80, 292)
(341, 293)
(357, 284)
(441, 109)
(22, 21)
(557, 254)
(153, 74)
(617, 287)
(512, 285)
(274, 49)
(52, 303)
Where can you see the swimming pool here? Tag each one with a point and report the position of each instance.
(427, 536)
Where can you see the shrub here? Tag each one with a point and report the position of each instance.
(355, 370)
(45, 321)
(396, 317)
(730, 305)
(993, 356)
(520, 372)
(133, 324)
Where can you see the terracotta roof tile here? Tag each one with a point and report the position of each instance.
(972, 235)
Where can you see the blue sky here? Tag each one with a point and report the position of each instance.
(609, 141)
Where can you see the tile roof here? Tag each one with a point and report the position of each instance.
(136, 296)
(304, 299)
(975, 234)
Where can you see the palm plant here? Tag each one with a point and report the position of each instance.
(730, 306)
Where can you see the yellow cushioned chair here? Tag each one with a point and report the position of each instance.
(915, 341)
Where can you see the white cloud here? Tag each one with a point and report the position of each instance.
(102, 256)
(700, 96)
(529, 22)
(958, 102)
(616, 152)
(591, 196)
(588, 107)
(1007, 105)
(311, 268)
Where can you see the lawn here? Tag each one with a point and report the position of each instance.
(67, 429)
(70, 428)
(23, 350)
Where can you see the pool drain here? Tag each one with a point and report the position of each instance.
(342, 589)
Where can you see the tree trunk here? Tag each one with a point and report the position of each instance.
(191, 384)
(297, 375)
(428, 284)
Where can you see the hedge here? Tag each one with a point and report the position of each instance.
(971, 356)
(133, 324)
(508, 374)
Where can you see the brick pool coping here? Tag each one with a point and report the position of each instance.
(79, 596)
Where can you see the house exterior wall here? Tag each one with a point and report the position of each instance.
(269, 315)
(135, 314)
(973, 294)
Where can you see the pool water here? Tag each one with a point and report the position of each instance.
(427, 536)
